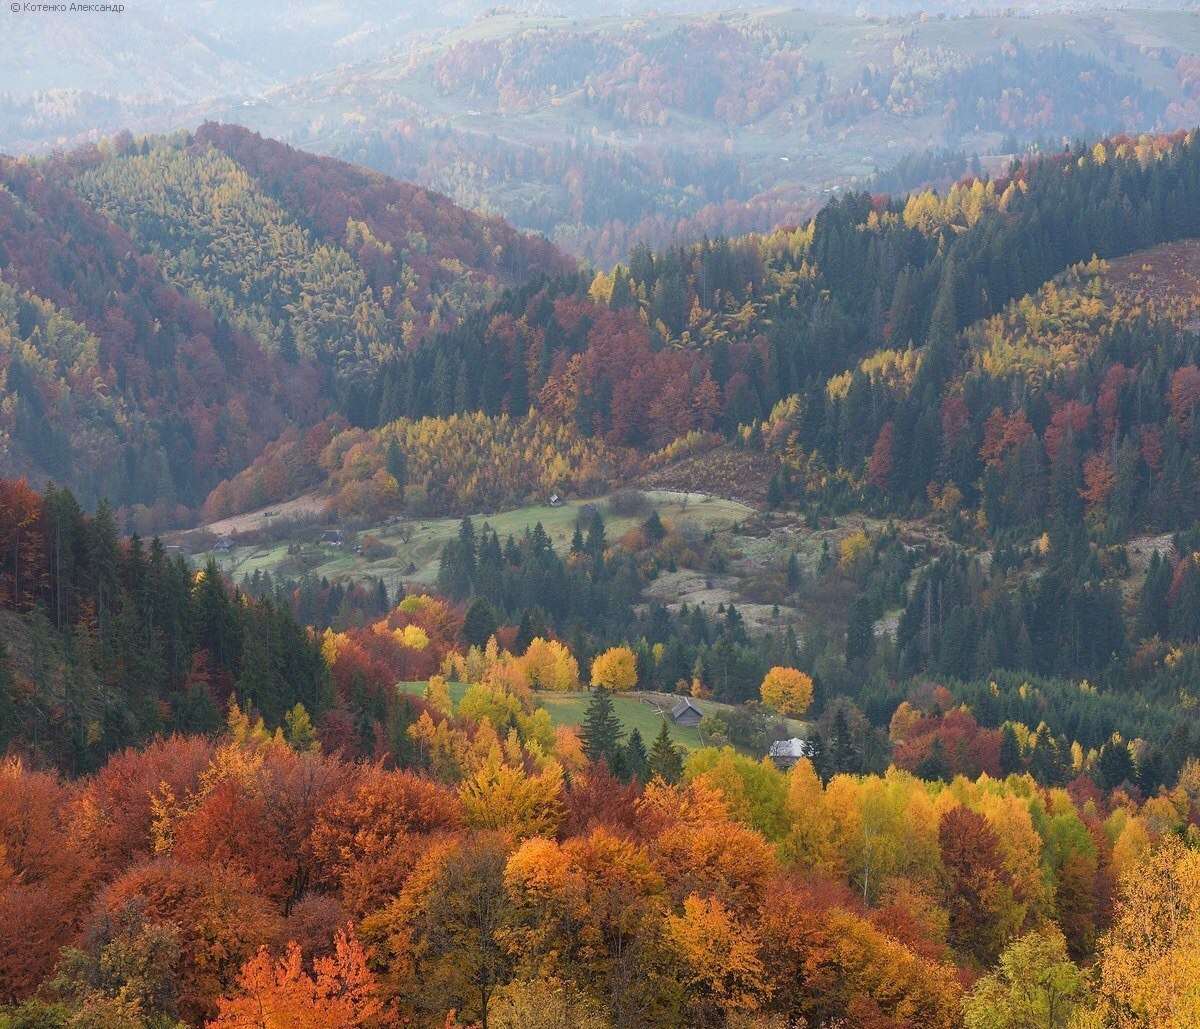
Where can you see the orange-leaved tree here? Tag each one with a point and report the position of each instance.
(719, 956)
(45, 875)
(276, 993)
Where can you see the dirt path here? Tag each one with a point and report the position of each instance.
(309, 505)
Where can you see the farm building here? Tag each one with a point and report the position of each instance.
(785, 753)
(685, 712)
(331, 538)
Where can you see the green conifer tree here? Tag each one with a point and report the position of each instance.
(665, 760)
(480, 623)
(1012, 761)
(636, 760)
(602, 730)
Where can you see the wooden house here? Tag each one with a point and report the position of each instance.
(685, 712)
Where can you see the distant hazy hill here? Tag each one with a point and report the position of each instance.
(169, 305)
(602, 125)
(605, 132)
(66, 77)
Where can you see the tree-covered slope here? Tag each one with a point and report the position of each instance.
(173, 304)
(808, 342)
(970, 423)
(1007, 359)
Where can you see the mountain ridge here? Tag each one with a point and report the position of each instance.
(190, 346)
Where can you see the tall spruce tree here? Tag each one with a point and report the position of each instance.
(636, 760)
(665, 761)
(479, 623)
(596, 538)
(1114, 765)
(602, 730)
(397, 465)
(1153, 609)
(842, 754)
(1012, 762)
(860, 633)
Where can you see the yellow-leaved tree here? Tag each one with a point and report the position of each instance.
(510, 800)
(549, 665)
(615, 669)
(1150, 959)
(787, 691)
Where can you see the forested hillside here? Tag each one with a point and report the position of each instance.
(171, 305)
(253, 779)
(1004, 368)
(875, 353)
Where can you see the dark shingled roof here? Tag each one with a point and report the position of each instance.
(681, 706)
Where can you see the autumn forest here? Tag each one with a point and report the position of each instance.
(404, 622)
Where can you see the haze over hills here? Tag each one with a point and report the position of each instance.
(597, 127)
(607, 133)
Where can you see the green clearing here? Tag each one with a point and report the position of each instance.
(633, 712)
(642, 711)
(418, 542)
(570, 709)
